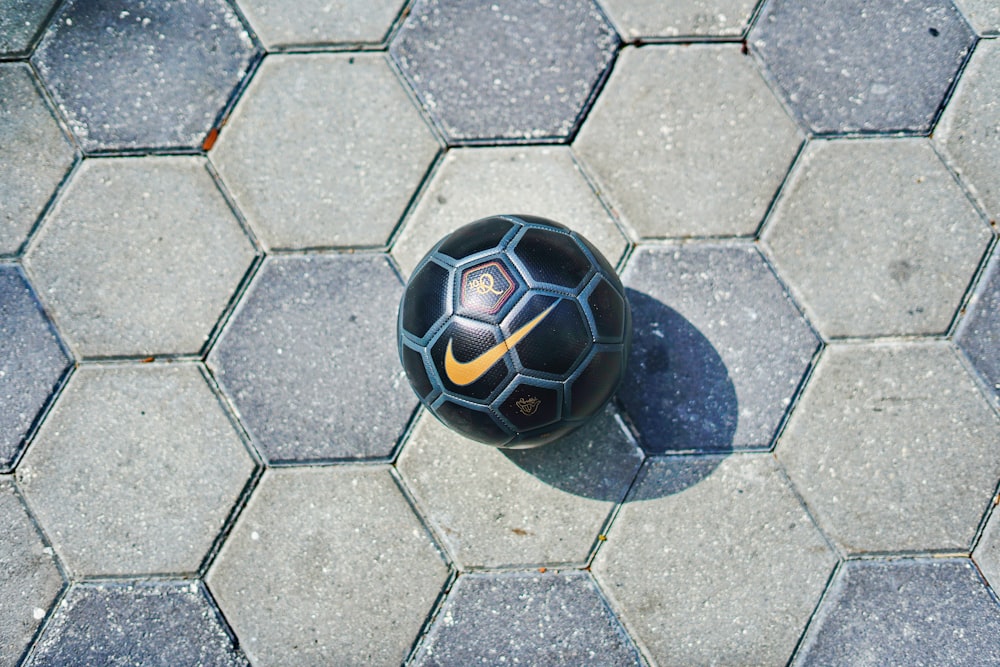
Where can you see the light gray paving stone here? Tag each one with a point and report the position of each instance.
(718, 351)
(987, 552)
(979, 333)
(474, 183)
(967, 133)
(698, 149)
(714, 561)
(530, 507)
(854, 66)
(166, 624)
(20, 21)
(515, 618)
(875, 238)
(893, 448)
(686, 18)
(34, 154)
(327, 566)
(139, 257)
(29, 578)
(309, 359)
(905, 612)
(321, 21)
(983, 14)
(135, 470)
(310, 165)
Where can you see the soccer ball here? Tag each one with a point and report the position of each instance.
(514, 330)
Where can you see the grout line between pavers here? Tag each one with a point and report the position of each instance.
(973, 286)
(987, 515)
(834, 574)
(221, 618)
(592, 183)
(624, 619)
(787, 181)
(406, 217)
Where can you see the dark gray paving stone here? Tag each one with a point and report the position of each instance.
(167, 624)
(515, 618)
(309, 359)
(321, 21)
(905, 612)
(20, 21)
(143, 74)
(719, 348)
(32, 362)
(507, 71)
(856, 66)
(979, 333)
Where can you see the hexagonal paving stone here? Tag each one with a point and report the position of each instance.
(713, 561)
(854, 66)
(138, 75)
(33, 363)
(987, 552)
(967, 133)
(685, 18)
(904, 612)
(875, 238)
(512, 71)
(527, 507)
(35, 155)
(700, 147)
(983, 14)
(139, 257)
(140, 623)
(327, 566)
(979, 333)
(311, 166)
(320, 21)
(29, 578)
(514, 617)
(719, 348)
(894, 448)
(474, 183)
(135, 470)
(20, 23)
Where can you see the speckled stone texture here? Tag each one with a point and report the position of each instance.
(875, 238)
(474, 183)
(145, 74)
(327, 566)
(713, 561)
(967, 133)
(987, 552)
(983, 14)
(20, 22)
(893, 448)
(855, 66)
(140, 257)
(688, 141)
(34, 158)
(906, 612)
(979, 333)
(314, 22)
(311, 166)
(506, 71)
(719, 348)
(161, 624)
(32, 362)
(29, 579)
(135, 471)
(680, 18)
(524, 618)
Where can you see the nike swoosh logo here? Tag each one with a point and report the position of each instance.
(463, 373)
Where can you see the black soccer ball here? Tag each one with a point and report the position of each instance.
(514, 330)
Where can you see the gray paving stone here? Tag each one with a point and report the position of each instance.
(700, 147)
(854, 66)
(685, 18)
(139, 257)
(514, 617)
(967, 133)
(310, 166)
(718, 348)
(32, 363)
(474, 183)
(979, 333)
(34, 154)
(146, 74)
(168, 624)
(135, 470)
(521, 508)
(714, 561)
(346, 22)
(987, 552)
(29, 578)
(309, 359)
(327, 566)
(20, 22)
(875, 238)
(983, 14)
(507, 71)
(905, 612)
(894, 448)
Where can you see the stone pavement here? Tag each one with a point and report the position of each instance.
(209, 454)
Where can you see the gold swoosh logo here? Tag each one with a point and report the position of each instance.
(463, 373)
